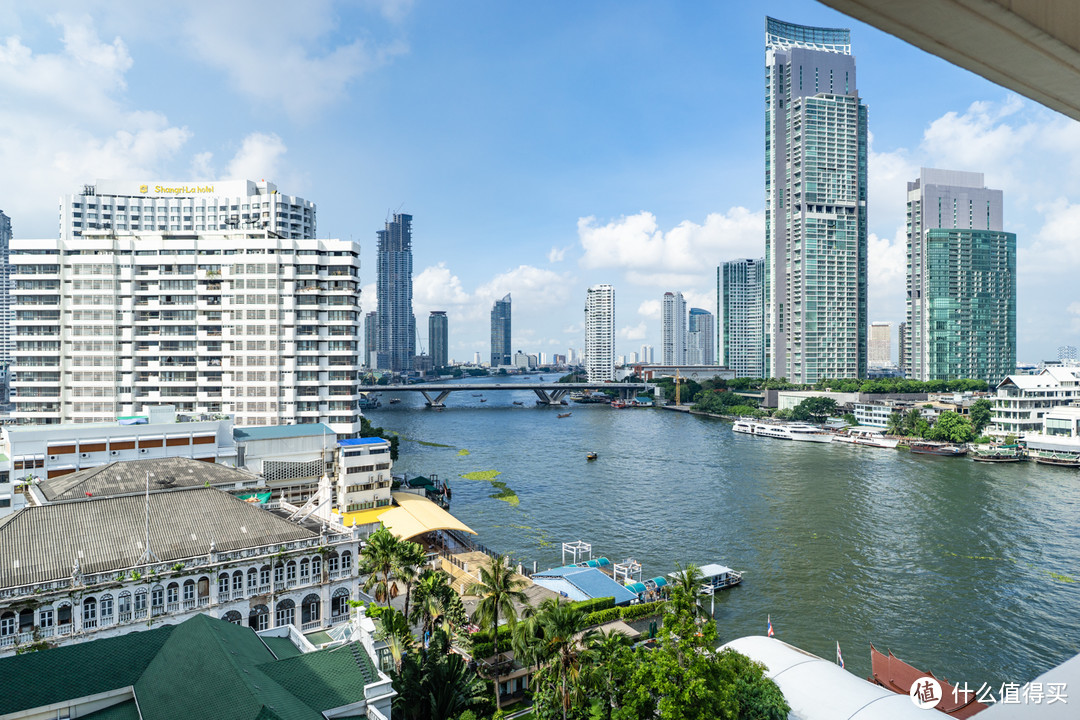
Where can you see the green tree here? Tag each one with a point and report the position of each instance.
(911, 422)
(438, 685)
(564, 635)
(436, 605)
(684, 590)
(895, 424)
(409, 559)
(607, 665)
(981, 413)
(952, 427)
(378, 560)
(394, 628)
(815, 409)
(497, 591)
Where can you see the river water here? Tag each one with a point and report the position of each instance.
(966, 569)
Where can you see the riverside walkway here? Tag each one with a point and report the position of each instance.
(548, 393)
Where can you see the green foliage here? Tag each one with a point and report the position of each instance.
(438, 685)
(850, 418)
(981, 413)
(952, 427)
(914, 425)
(642, 610)
(574, 377)
(588, 606)
(901, 385)
(814, 409)
(723, 402)
(599, 617)
(366, 430)
(895, 425)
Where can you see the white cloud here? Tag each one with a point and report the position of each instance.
(636, 243)
(887, 276)
(281, 56)
(557, 254)
(436, 288)
(651, 309)
(634, 332)
(257, 158)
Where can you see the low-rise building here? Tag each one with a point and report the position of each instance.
(1022, 400)
(77, 570)
(687, 372)
(363, 474)
(1060, 432)
(291, 458)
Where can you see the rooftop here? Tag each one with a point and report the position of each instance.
(43, 543)
(361, 441)
(277, 432)
(588, 583)
(123, 478)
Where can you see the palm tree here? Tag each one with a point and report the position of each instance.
(684, 592)
(396, 631)
(380, 557)
(452, 687)
(433, 600)
(895, 424)
(408, 563)
(497, 590)
(563, 648)
(606, 650)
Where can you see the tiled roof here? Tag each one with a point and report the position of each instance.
(42, 543)
(128, 710)
(277, 432)
(127, 656)
(201, 668)
(590, 581)
(120, 478)
(325, 679)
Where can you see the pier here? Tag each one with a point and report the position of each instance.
(547, 393)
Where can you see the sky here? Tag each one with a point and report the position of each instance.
(541, 147)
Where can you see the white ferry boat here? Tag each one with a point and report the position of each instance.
(868, 437)
(784, 431)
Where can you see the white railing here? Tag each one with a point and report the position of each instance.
(263, 589)
(172, 607)
(204, 601)
(338, 619)
(238, 595)
(65, 629)
(311, 625)
(140, 613)
(8, 640)
(89, 623)
(47, 632)
(189, 604)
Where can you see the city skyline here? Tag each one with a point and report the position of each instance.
(578, 206)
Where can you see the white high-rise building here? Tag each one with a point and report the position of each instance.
(5, 291)
(134, 205)
(241, 322)
(647, 354)
(674, 329)
(815, 291)
(880, 344)
(739, 312)
(600, 333)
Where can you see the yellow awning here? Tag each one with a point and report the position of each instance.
(362, 517)
(416, 515)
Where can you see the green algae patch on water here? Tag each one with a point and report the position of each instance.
(505, 494)
(431, 444)
(462, 452)
(486, 475)
(1057, 576)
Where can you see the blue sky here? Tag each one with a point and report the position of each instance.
(541, 147)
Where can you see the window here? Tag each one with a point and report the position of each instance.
(238, 582)
(333, 562)
(223, 584)
(45, 620)
(279, 574)
(346, 561)
(106, 608)
(264, 576)
(7, 624)
(89, 614)
(316, 566)
(172, 593)
(252, 580)
(189, 590)
(286, 613)
(140, 601)
(305, 570)
(290, 571)
(259, 618)
(157, 596)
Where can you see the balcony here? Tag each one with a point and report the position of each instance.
(311, 625)
(338, 619)
(189, 604)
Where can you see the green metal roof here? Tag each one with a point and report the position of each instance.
(127, 710)
(282, 647)
(328, 678)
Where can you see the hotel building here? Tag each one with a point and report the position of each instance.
(600, 333)
(740, 328)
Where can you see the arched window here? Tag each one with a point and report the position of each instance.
(310, 608)
(346, 561)
(204, 590)
(8, 623)
(259, 618)
(252, 581)
(63, 613)
(279, 573)
(105, 609)
(264, 576)
(157, 598)
(172, 593)
(238, 583)
(339, 604)
(26, 620)
(140, 602)
(189, 591)
(89, 612)
(333, 563)
(305, 570)
(123, 606)
(290, 572)
(234, 617)
(316, 568)
(286, 613)
(223, 585)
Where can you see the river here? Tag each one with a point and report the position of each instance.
(966, 569)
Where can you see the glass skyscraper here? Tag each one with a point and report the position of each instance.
(438, 334)
(961, 294)
(396, 327)
(739, 310)
(673, 329)
(815, 289)
(501, 353)
(700, 337)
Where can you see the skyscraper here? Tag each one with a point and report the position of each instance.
(396, 335)
(699, 337)
(902, 345)
(600, 333)
(646, 354)
(501, 354)
(371, 334)
(815, 212)
(438, 335)
(6, 344)
(740, 316)
(880, 344)
(673, 329)
(938, 202)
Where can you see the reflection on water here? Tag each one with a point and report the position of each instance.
(964, 568)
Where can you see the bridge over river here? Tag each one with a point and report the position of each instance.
(548, 393)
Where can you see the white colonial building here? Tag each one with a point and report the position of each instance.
(1022, 401)
(363, 479)
(97, 567)
(246, 323)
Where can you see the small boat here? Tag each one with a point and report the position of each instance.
(518, 402)
(892, 673)
(930, 447)
(478, 394)
(1054, 457)
(483, 399)
(783, 431)
(395, 401)
(590, 456)
(743, 426)
(716, 577)
(997, 453)
(562, 415)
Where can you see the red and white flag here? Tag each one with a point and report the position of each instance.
(839, 657)
(770, 631)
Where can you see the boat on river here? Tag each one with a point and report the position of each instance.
(997, 453)
(1054, 457)
(591, 456)
(716, 577)
(562, 415)
(868, 437)
(783, 431)
(931, 447)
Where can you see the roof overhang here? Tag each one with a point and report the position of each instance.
(1032, 48)
(416, 515)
